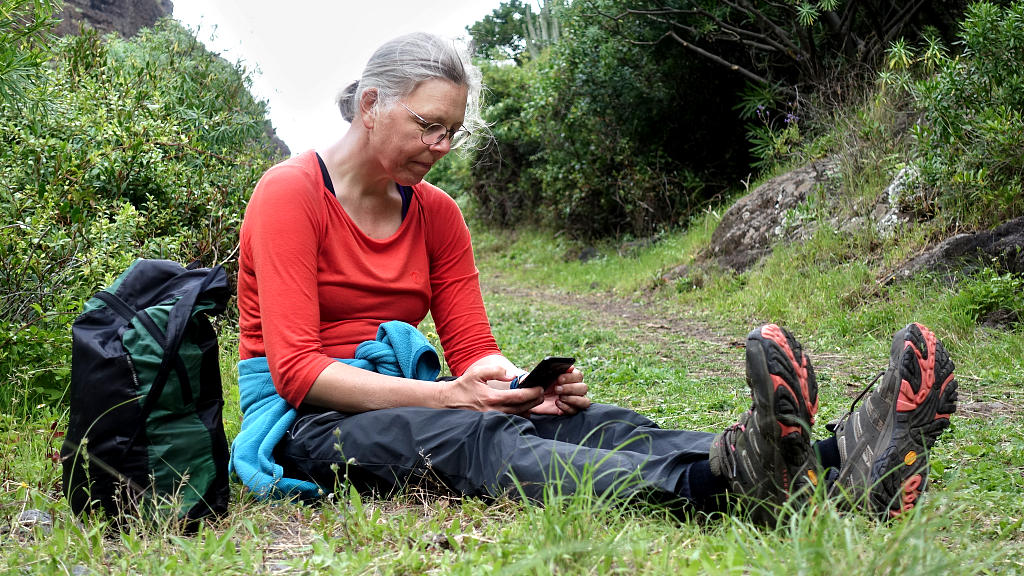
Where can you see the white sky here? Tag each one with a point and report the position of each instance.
(303, 52)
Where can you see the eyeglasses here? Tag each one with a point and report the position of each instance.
(434, 133)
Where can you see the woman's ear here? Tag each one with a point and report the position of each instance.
(368, 107)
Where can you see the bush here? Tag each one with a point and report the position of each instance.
(126, 148)
(970, 138)
(503, 185)
(600, 137)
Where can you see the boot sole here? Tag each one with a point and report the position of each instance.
(785, 392)
(899, 473)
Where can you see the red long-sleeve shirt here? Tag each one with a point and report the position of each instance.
(312, 285)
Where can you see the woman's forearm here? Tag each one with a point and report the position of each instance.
(483, 387)
(349, 389)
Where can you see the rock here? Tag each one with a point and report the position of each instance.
(126, 17)
(902, 202)
(1001, 318)
(581, 254)
(777, 210)
(634, 247)
(29, 519)
(903, 191)
(1003, 245)
(588, 253)
(748, 229)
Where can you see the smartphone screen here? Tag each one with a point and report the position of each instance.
(547, 371)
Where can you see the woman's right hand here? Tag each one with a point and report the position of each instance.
(472, 392)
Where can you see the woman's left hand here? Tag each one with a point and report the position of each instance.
(567, 396)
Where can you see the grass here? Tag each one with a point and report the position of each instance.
(665, 347)
(537, 259)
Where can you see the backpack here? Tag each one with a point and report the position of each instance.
(145, 430)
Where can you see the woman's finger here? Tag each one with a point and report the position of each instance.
(573, 404)
(571, 376)
(573, 389)
(516, 401)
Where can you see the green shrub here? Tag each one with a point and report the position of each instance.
(970, 139)
(121, 149)
(598, 137)
(504, 188)
(24, 33)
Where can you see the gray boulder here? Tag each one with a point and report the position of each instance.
(771, 212)
(125, 17)
(1002, 246)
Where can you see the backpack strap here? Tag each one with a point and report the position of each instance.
(126, 311)
(147, 321)
(122, 308)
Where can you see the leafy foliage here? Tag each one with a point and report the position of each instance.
(123, 149)
(600, 137)
(24, 26)
(514, 31)
(990, 293)
(970, 139)
(641, 113)
(793, 42)
(801, 58)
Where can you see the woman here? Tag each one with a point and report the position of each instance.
(345, 250)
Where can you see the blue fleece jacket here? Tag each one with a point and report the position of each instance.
(399, 350)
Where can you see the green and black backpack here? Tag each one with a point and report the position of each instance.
(145, 430)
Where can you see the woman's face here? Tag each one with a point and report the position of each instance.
(396, 133)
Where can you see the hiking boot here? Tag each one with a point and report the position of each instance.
(768, 452)
(884, 445)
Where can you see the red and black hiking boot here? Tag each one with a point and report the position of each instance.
(767, 454)
(884, 444)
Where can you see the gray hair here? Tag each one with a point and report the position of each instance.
(398, 66)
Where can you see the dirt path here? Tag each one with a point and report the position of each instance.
(652, 319)
(617, 312)
(645, 321)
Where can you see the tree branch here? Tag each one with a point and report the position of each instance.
(780, 33)
(900, 21)
(713, 57)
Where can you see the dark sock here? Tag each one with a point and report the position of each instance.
(828, 453)
(704, 489)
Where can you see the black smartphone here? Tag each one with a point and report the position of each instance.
(547, 371)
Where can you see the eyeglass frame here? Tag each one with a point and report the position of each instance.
(449, 133)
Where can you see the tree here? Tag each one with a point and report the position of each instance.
(796, 42)
(513, 31)
(542, 29)
(598, 137)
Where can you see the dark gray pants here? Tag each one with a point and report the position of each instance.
(612, 450)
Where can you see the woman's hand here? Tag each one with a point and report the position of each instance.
(471, 391)
(567, 396)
